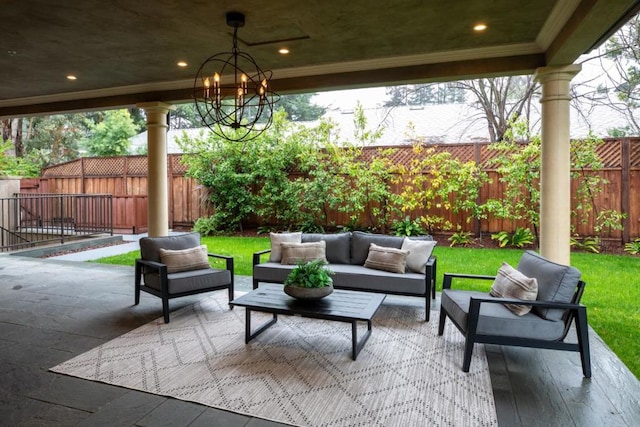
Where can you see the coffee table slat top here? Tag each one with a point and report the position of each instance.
(340, 305)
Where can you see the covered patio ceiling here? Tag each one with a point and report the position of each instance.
(124, 53)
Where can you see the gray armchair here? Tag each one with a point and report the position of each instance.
(165, 282)
(484, 319)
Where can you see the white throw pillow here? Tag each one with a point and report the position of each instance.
(419, 253)
(510, 283)
(277, 239)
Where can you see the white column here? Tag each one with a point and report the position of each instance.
(555, 169)
(157, 189)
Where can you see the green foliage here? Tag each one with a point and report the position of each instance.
(633, 247)
(111, 137)
(311, 274)
(587, 244)
(16, 166)
(519, 169)
(206, 226)
(460, 238)
(299, 107)
(518, 239)
(55, 139)
(407, 227)
(436, 181)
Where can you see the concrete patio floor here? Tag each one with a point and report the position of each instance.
(52, 310)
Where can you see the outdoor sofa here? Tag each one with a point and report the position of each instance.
(348, 257)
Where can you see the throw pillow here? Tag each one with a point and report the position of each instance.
(277, 239)
(293, 253)
(510, 283)
(419, 253)
(185, 259)
(387, 259)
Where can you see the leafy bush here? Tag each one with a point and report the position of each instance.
(407, 227)
(460, 238)
(633, 247)
(519, 238)
(587, 244)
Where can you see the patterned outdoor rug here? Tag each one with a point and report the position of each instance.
(300, 370)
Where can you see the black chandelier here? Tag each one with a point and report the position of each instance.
(232, 94)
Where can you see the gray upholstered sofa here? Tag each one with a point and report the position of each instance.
(346, 254)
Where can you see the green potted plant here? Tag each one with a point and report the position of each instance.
(309, 280)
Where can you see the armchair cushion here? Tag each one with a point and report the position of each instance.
(556, 282)
(150, 246)
(386, 259)
(510, 283)
(277, 239)
(188, 281)
(496, 319)
(185, 259)
(293, 253)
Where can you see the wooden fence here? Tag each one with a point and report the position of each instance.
(126, 179)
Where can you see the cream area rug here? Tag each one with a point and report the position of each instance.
(300, 370)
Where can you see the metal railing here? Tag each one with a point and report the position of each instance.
(31, 219)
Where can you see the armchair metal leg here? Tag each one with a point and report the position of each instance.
(468, 351)
(583, 341)
(443, 317)
(165, 308)
(136, 291)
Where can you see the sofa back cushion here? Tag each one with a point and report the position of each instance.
(277, 239)
(556, 282)
(150, 246)
(338, 245)
(360, 243)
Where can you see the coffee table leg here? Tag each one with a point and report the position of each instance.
(356, 345)
(248, 336)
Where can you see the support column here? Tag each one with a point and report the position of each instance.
(555, 163)
(157, 189)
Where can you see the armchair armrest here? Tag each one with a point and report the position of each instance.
(229, 261)
(146, 266)
(448, 278)
(256, 256)
(544, 304)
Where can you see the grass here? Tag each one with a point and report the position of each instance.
(612, 294)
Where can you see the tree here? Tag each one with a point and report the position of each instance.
(424, 94)
(299, 107)
(111, 136)
(49, 140)
(501, 101)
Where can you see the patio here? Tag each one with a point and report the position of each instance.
(47, 321)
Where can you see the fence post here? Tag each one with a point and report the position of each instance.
(625, 199)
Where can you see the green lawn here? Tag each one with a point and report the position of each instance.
(612, 295)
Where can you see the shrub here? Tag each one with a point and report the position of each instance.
(519, 238)
(460, 238)
(587, 244)
(633, 247)
(407, 227)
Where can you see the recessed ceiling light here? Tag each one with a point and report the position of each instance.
(12, 53)
(480, 27)
(283, 51)
(182, 64)
(71, 77)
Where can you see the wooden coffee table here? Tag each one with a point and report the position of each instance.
(342, 306)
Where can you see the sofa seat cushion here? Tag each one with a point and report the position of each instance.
(338, 245)
(187, 281)
(496, 319)
(556, 282)
(354, 277)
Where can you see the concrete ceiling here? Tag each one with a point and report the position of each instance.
(124, 52)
